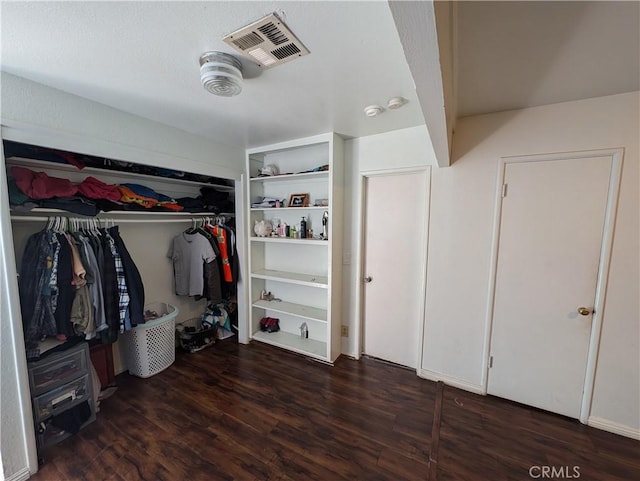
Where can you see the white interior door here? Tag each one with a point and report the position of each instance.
(394, 260)
(549, 247)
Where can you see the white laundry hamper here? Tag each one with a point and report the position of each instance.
(149, 348)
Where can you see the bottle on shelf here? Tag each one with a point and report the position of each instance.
(303, 229)
(325, 226)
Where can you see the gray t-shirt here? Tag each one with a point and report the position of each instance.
(189, 252)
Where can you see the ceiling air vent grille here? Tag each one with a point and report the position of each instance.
(268, 42)
(250, 40)
(286, 51)
(273, 33)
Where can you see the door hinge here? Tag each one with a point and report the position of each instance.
(490, 362)
(504, 190)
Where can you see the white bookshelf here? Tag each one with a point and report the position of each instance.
(304, 274)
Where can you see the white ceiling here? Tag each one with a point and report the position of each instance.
(142, 58)
(513, 55)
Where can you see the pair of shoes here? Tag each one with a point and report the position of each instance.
(269, 324)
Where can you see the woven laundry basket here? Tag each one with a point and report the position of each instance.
(150, 347)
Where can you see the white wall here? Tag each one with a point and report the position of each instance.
(88, 127)
(400, 149)
(33, 113)
(462, 208)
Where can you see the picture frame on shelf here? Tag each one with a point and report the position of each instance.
(298, 200)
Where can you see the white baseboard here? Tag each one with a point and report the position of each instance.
(614, 428)
(451, 381)
(21, 475)
(349, 353)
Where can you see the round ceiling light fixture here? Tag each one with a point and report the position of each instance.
(221, 73)
(373, 110)
(396, 102)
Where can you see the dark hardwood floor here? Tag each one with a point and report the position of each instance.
(235, 412)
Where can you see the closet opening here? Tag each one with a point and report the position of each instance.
(99, 244)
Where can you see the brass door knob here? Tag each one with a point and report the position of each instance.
(584, 311)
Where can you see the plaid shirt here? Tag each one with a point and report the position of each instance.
(52, 288)
(123, 293)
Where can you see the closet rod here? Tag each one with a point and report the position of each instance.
(118, 221)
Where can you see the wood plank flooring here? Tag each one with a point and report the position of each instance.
(235, 412)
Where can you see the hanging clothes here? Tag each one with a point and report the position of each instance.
(212, 279)
(110, 291)
(189, 253)
(66, 292)
(221, 237)
(224, 237)
(135, 287)
(94, 282)
(37, 314)
(78, 284)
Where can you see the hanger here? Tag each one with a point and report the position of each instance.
(192, 229)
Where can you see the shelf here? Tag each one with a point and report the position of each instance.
(288, 240)
(312, 207)
(293, 342)
(126, 176)
(287, 177)
(298, 310)
(117, 213)
(309, 280)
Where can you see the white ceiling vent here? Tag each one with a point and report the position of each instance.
(268, 42)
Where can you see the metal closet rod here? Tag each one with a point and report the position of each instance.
(26, 218)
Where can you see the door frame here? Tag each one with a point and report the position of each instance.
(616, 156)
(360, 257)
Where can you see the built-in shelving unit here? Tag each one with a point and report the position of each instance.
(302, 274)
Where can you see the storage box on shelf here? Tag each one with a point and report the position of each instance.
(302, 274)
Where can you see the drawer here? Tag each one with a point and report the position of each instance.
(61, 398)
(47, 434)
(60, 370)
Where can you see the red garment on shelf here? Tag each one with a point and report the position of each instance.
(96, 189)
(38, 185)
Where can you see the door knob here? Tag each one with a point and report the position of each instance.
(584, 311)
(367, 279)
